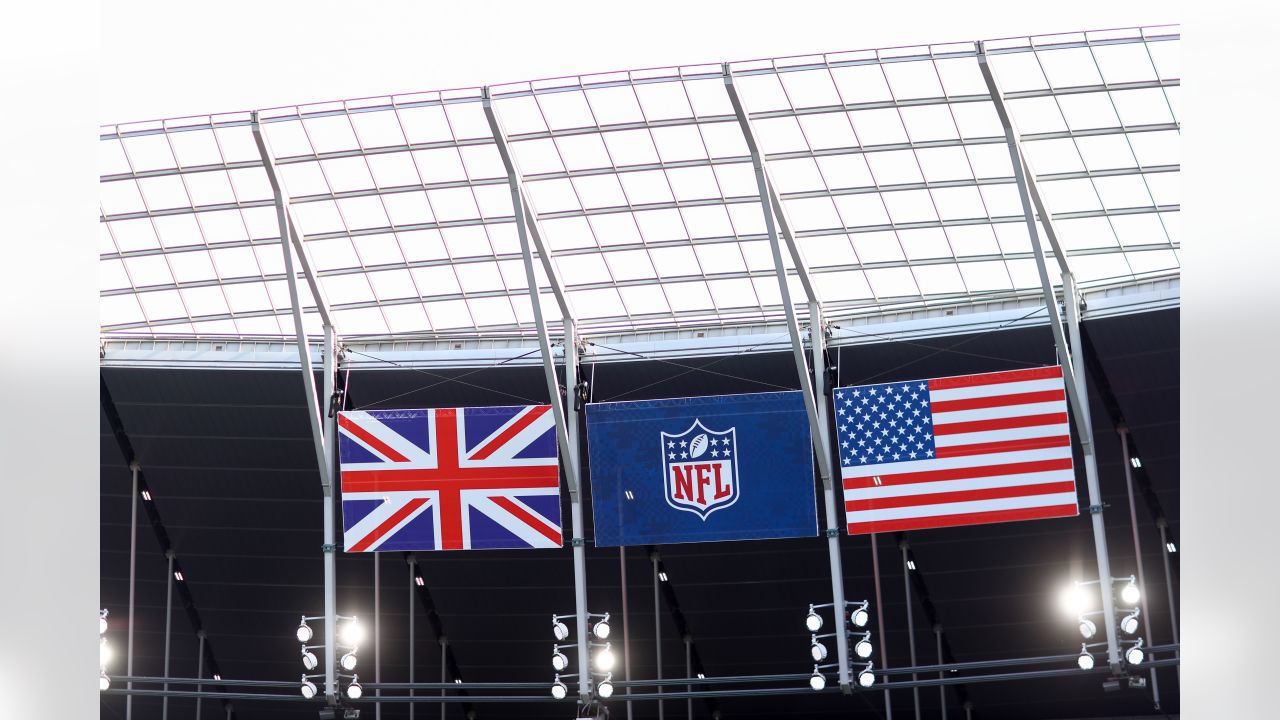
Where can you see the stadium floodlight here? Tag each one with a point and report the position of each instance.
(1087, 628)
(351, 633)
(559, 629)
(1085, 661)
(1074, 600)
(559, 690)
(354, 691)
(817, 650)
(1129, 623)
(601, 629)
(308, 688)
(863, 648)
(605, 659)
(559, 661)
(104, 682)
(860, 617)
(813, 621)
(104, 653)
(102, 621)
(605, 688)
(309, 660)
(867, 678)
(348, 661)
(817, 681)
(304, 632)
(1129, 594)
(1135, 655)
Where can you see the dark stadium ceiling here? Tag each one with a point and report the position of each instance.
(228, 460)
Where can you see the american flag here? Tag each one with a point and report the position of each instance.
(449, 479)
(959, 450)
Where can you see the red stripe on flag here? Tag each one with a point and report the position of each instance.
(978, 518)
(370, 440)
(998, 400)
(388, 524)
(1000, 423)
(960, 381)
(1004, 446)
(532, 521)
(452, 479)
(511, 432)
(959, 496)
(964, 473)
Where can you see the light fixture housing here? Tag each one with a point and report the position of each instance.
(304, 632)
(560, 630)
(605, 688)
(1129, 623)
(349, 661)
(863, 648)
(104, 682)
(559, 662)
(1085, 661)
(102, 621)
(1135, 655)
(1087, 628)
(354, 691)
(309, 660)
(813, 621)
(817, 681)
(601, 629)
(308, 688)
(1129, 594)
(604, 659)
(866, 678)
(818, 651)
(859, 617)
(559, 690)
(351, 633)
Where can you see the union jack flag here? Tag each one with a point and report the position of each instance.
(449, 479)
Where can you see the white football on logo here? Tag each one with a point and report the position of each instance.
(698, 446)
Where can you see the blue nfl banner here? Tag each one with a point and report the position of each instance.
(724, 467)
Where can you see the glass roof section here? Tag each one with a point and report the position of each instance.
(892, 165)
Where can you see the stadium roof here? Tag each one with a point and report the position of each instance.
(892, 165)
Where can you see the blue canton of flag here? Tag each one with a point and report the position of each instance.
(884, 423)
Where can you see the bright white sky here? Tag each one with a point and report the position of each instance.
(163, 59)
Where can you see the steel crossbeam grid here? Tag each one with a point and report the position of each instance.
(775, 218)
(323, 427)
(562, 406)
(1065, 340)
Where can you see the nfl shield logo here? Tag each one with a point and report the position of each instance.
(700, 469)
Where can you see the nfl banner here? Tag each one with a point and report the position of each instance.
(449, 479)
(952, 451)
(725, 467)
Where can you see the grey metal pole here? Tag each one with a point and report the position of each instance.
(688, 673)
(133, 578)
(942, 689)
(657, 630)
(413, 577)
(377, 633)
(200, 669)
(168, 625)
(575, 506)
(884, 650)
(626, 625)
(444, 663)
(911, 626)
(1075, 382)
(229, 709)
(329, 548)
(1168, 586)
(968, 710)
(1137, 553)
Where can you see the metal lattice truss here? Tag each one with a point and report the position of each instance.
(891, 164)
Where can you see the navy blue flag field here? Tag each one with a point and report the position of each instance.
(723, 467)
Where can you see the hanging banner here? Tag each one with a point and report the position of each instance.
(449, 479)
(724, 467)
(951, 451)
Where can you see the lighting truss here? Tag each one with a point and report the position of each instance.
(891, 164)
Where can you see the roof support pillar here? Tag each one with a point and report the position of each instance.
(1068, 347)
(565, 412)
(775, 217)
(323, 429)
